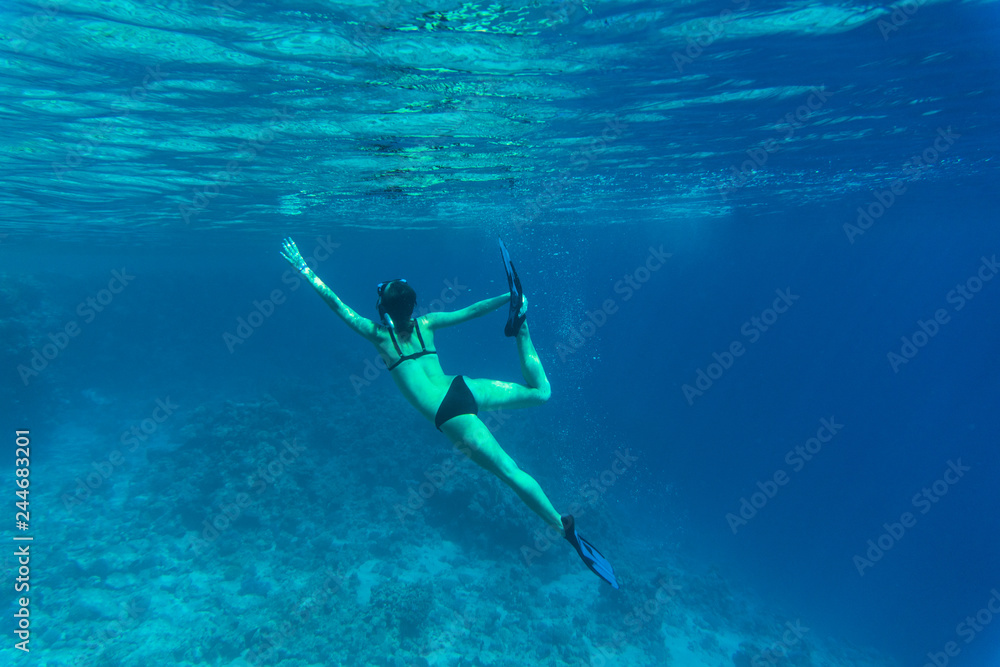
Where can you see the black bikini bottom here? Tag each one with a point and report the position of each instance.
(458, 401)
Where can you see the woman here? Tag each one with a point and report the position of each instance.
(453, 402)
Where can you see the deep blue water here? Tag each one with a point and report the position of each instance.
(406, 138)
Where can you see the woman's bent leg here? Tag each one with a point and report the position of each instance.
(536, 390)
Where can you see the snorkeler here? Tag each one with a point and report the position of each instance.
(453, 402)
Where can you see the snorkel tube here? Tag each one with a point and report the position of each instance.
(386, 318)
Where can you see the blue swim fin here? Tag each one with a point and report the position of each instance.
(514, 319)
(592, 558)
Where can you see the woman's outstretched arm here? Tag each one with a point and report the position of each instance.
(478, 309)
(362, 325)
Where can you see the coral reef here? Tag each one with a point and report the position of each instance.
(285, 536)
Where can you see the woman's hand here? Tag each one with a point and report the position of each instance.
(292, 255)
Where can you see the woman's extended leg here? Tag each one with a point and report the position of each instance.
(471, 436)
(536, 390)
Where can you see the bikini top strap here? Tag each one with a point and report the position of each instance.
(416, 325)
(394, 343)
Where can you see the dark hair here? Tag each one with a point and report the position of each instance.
(399, 299)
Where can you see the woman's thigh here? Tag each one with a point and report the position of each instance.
(469, 434)
(491, 394)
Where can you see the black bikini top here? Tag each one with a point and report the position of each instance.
(416, 355)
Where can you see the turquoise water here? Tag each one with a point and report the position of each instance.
(758, 242)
